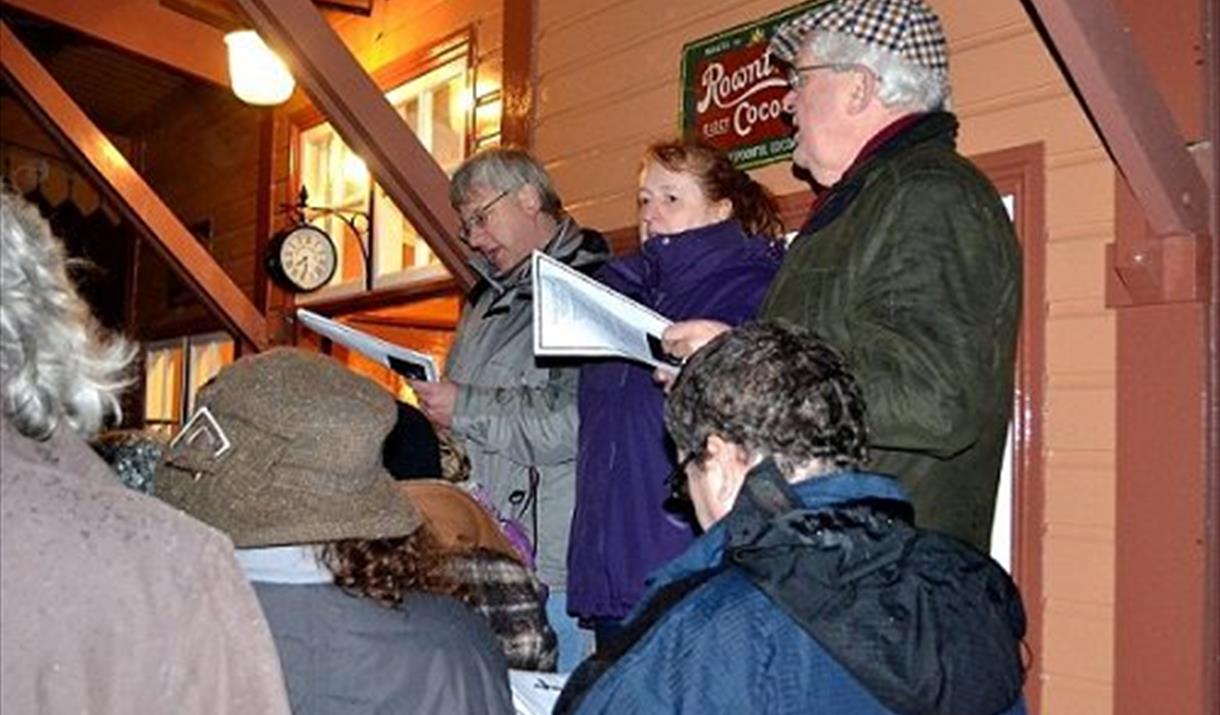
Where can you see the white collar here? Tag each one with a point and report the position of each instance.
(284, 564)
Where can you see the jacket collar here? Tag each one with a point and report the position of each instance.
(905, 132)
(298, 564)
(689, 256)
(570, 244)
(816, 493)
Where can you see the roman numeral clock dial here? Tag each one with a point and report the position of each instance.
(303, 258)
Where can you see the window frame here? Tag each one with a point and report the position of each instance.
(185, 391)
(456, 48)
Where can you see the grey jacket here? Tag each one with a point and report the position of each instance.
(112, 602)
(515, 413)
(351, 655)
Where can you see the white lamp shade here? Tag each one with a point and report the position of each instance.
(257, 75)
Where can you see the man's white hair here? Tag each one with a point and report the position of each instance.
(55, 364)
(902, 84)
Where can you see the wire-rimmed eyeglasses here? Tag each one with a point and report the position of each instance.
(477, 218)
(796, 72)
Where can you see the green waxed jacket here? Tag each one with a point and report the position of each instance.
(911, 267)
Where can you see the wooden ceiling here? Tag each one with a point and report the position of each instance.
(121, 93)
(226, 15)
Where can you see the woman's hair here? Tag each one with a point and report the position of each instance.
(902, 83)
(55, 364)
(504, 169)
(387, 570)
(753, 204)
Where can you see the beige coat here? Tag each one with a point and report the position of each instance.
(111, 602)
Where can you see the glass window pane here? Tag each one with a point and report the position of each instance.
(207, 355)
(163, 371)
(449, 123)
(436, 106)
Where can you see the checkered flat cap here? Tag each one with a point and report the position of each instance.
(907, 28)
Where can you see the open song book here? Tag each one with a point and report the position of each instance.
(576, 316)
(408, 363)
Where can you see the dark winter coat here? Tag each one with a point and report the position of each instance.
(910, 267)
(816, 597)
(620, 532)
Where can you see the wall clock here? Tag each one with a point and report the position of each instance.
(303, 258)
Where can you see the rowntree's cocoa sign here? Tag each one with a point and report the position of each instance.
(732, 92)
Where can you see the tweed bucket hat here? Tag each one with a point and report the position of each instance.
(908, 28)
(285, 448)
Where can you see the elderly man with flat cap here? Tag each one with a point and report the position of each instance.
(908, 262)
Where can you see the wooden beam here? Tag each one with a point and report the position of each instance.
(220, 14)
(110, 170)
(1134, 121)
(359, 112)
(144, 28)
(516, 121)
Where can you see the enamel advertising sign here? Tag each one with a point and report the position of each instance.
(732, 92)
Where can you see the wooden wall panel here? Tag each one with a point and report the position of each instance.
(203, 161)
(608, 83)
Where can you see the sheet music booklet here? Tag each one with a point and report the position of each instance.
(574, 315)
(408, 363)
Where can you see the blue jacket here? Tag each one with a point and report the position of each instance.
(620, 532)
(726, 646)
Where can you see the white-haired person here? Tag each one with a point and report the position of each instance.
(908, 262)
(110, 602)
(809, 591)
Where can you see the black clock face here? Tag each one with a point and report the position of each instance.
(307, 258)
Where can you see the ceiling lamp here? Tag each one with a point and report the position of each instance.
(258, 76)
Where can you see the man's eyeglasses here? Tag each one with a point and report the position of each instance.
(796, 72)
(477, 218)
(679, 490)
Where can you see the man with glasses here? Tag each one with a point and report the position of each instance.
(908, 262)
(809, 591)
(515, 416)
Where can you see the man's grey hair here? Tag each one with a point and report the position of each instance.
(776, 390)
(504, 169)
(901, 84)
(55, 365)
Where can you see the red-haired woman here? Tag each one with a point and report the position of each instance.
(711, 241)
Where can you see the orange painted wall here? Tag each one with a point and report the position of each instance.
(608, 84)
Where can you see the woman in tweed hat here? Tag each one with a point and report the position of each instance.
(284, 455)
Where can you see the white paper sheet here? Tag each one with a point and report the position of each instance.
(575, 315)
(535, 693)
(408, 363)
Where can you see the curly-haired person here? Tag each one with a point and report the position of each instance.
(809, 591)
(284, 454)
(110, 602)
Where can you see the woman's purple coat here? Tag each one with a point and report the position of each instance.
(620, 532)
